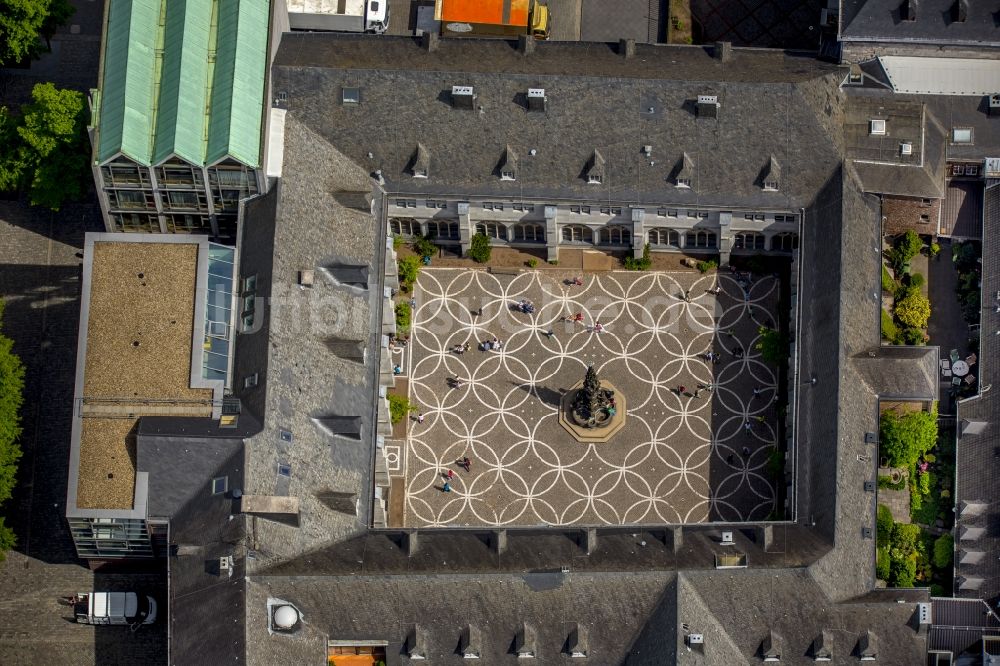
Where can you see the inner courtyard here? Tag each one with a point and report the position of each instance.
(699, 438)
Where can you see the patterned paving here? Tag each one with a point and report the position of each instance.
(678, 459)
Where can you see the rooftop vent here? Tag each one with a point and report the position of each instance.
(968, 582)
(420, 164)
(906, 148)
(994, 104)
(822, 647)
(770, 647)
(416, 644)
(226, 566)
(970, 556)
(578, 645)
(908, 10)
(462, 97)
(524, 642)
(708, 106)
(595, 169)
(924, 613)
(353, 275)
(971, 533)
(471, 643)
(536, 99)
(727, 539)
(306, 278)
(343, 426)
(867, 646)
(876, 127)
(959, 11)
(723, 51)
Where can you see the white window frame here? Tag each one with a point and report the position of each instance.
(877, 127)
(225, 485)
(955, 136)
(251, 381)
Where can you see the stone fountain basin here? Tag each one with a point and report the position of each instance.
(602, 433)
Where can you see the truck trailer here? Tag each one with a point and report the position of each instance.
(492, 18)
(339, 15)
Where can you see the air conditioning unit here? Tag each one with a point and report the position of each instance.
(727, 539)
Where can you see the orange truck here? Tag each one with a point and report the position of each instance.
(492, 18)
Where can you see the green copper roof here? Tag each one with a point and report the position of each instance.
(238, 91)
(184, 78)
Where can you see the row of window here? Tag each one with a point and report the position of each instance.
(588, 210)
(965, 169)
(224, 200)
(228, 175)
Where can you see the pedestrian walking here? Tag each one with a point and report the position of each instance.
(747, 427)
(756, 391)
(467, 463)
(729, 459)
(420, 417)
(549, 333)
(598, 327)
(447, 487)
(697, 392)
(680, 390)
(709, 387)
(450, 475)
(746, 450)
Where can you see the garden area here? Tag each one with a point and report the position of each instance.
(905, 306)
(917, 463)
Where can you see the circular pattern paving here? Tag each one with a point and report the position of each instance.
(681, 457)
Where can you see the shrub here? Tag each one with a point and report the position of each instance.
(409, 269)
(424, 246)
(480, 250)
(914, 309)
(403, 317)
(553, 262)
(532, 262)
(889, 330)
(936, 590)
(907, 247)
(886, 482)
(924, 483)
(905, 537)
(772, 345)
(643, 264)
(903, 571)
(888, 284)
(884, 523)
(397, 242)
(399, 407)
(934, 249)
(916, 280)
(882, 563)
(912, 336)
(944, 550)
(706, 266)
(776, 463)
(11, 399)
(903, 439)
(916, 499)
(929, 457)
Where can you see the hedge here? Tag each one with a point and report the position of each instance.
(11, 399)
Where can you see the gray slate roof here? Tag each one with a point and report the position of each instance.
(881, 21)
(771, 104)
(901, 373)
(980, 453)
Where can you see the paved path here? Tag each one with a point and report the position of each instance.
(946, 328)
(678, 459)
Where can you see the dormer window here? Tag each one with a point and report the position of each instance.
(595, 179)
(350, 95)
(508, 165)
(771, 185)
(876, 127)
(595, 169)
(507, 175)
(421, 163)
(683, 172)
(684, 182)
(771, 179)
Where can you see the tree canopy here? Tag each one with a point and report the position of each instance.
(904, 438)
(23, 22)
(914, 309)
(46, 146)
(11, 389)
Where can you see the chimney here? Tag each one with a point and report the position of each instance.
(626, 47)
(463, 97)
(526, 44)
(708, 106)
(536, 99)
(723, 51)
(430, 41)
(908, 10)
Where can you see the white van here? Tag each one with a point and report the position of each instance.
(126, 608)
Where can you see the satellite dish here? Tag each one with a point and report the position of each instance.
(459, 27)
(285, 617)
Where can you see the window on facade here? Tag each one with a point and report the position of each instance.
(925, 219)
(661, 212)
(404, 227)
(185, 200)
(684, 182)
(957, 169)
(961, 135)
(440, 229)
(749, 240)
(189, 224)
(971, 169)
(179, 174)
(406, 203)
(524, 208)
(615, 235)
(664, 237)
(700, 239)
(786, 218)
(785, 242)
(506, 175)
(430, 203)
(491, 205)
(132, 199)
(576, 233)
(492, 230)
(771, 185)
(595, 179)
(671, 212)
(220, 485)
(123, 174)
(529, 233)
(249, 284)
(136, 222)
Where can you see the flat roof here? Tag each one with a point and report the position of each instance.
(942, 76)
(141, 311)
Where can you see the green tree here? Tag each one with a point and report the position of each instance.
(904, 438)
(905, 537)
(907, 246)
(480, 249)
(409, 268)
(944, 550)
(21, 22)
(914, 309)
(399, 407)
(772, 345)
(60, 12)
(882, 563)
(404, 313)
(11, 399)
(424, 246)
(48, 156)
(903, 571)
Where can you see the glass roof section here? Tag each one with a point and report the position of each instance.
(219, 312)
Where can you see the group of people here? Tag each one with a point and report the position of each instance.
(525, 306)
(495, 344)
(449, 475)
